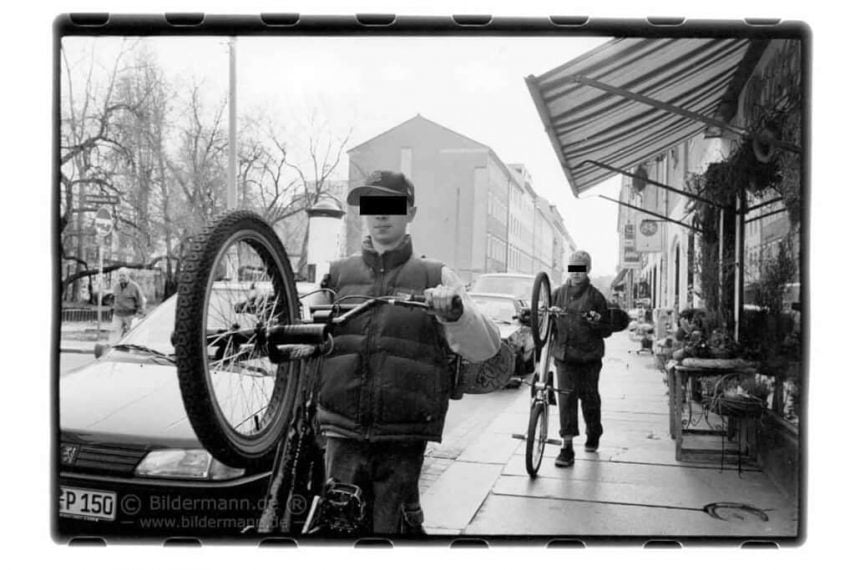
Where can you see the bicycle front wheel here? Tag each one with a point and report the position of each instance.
(235, 282)
(541, 300)
(535, 441)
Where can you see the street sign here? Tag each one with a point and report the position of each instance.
(103, 222)
(649, 236)
(99, 200)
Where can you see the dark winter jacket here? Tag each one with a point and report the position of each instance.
(576, 339)
(387, 378)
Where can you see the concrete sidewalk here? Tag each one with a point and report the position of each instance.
(632, 486)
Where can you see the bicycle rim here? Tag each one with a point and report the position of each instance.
(541, 299)
(535, 441)
(238, 402)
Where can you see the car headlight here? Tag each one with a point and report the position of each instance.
(185, 464)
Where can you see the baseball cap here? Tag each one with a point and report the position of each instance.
(383, 183)
(580, 257)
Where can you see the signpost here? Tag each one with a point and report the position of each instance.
(103, 228)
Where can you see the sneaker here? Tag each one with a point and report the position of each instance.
(592, 443)
(565, 458)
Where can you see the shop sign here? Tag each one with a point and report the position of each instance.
(630, 256)
(649, 236)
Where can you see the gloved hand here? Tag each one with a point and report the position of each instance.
(592, 317)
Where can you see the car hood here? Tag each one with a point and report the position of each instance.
(506, 330)
(119, 400)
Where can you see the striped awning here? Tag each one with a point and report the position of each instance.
(632, 99)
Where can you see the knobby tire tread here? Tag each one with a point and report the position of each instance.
(191, 350)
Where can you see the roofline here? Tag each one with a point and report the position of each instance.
(490, 152)
(417, 116)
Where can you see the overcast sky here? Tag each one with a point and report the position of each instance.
(473, 86)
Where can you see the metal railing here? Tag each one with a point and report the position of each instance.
(85, 315)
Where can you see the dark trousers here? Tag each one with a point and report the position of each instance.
(387, 473)
(582, 384)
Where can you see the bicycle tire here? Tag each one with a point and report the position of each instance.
(541, 300)
(202, 384)
(535, 441)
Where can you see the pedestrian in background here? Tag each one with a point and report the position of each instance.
(386, 385)
(128, 302)
(578, 350)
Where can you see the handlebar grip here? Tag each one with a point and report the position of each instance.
(456, 301)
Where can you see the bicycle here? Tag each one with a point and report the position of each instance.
(250, 388)
(543, 318)
(542, 384)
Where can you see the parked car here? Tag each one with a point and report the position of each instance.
(129, 461)
(518, 285)
(505, 311)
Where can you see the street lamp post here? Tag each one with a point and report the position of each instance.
(231, 189)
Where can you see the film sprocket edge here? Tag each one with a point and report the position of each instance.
(210, 271)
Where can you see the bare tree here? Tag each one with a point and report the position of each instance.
(281, 176)
(315, 170)
(198, 168)
(89, 118)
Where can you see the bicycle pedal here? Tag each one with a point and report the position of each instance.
(518, 436)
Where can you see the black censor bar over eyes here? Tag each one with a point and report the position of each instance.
(382, 205)
(577, 268)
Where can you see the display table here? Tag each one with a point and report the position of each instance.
(701, 429)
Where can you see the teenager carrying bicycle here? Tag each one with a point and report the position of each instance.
(386, 385)
(578, 349)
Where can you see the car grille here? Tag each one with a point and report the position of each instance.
(109, 460)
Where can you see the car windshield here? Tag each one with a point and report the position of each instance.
(519, 287)
(497, 309)
(155, 331)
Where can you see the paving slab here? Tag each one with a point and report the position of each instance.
(672, 489)
(452, 501)
(491, 447)
(589, 467)
(519, 515)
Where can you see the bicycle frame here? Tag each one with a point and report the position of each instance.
(297, 342)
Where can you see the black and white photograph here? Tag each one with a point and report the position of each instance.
(386, 279)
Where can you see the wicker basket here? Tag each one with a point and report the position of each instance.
(738, 406)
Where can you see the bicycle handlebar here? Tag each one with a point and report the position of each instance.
(333, 315)
(285, 342)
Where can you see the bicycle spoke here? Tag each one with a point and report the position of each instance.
(244, 377)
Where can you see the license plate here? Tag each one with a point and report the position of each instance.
(86, 503)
